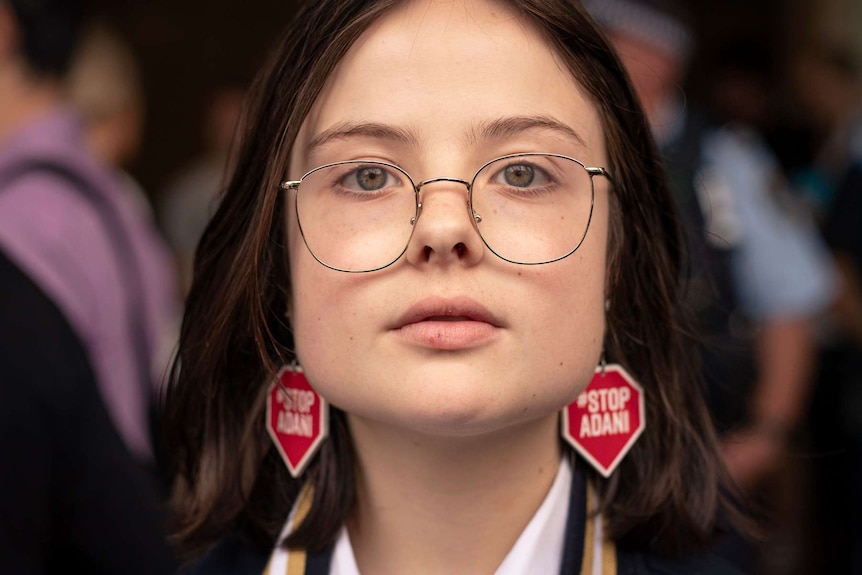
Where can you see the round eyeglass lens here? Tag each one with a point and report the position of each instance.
(533, 208)
(356, 216)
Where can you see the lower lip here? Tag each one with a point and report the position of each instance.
(448, 335)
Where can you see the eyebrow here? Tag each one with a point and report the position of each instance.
(498, 129)
(508, 127)
(345, 130)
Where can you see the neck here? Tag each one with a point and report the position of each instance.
(24, 99)
(435, 505)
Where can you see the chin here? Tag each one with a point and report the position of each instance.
(456, 399)
(462, 420)
(462, 414)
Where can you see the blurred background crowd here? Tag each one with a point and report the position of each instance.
(756, 106)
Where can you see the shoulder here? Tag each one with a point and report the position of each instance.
(42, 190)
(47, 206)
(635, 563)
(52, 227)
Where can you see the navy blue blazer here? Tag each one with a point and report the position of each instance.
(231, 557)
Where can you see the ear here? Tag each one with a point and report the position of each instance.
(9, 33)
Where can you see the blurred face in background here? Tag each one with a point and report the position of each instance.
(655, 72)
(450, 340)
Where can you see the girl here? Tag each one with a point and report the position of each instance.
(446, 222)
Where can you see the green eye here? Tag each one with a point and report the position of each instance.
(519, 175)
(371, 179)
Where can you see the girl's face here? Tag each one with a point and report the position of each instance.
(450, 340)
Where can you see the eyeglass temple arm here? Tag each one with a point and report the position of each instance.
(288, 185)
(598, 172)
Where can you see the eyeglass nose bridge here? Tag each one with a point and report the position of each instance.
(432, 180)
(468, 185)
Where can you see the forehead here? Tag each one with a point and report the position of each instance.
(443, 71)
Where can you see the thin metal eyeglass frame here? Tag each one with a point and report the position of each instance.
(293, 185)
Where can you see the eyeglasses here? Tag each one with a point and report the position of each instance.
(529, 209)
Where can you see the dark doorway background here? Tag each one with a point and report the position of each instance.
(186, 49)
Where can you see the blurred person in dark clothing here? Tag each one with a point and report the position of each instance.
(769, 272)
(760, 274)
(837, 410)
(79, 299)
(827, 79)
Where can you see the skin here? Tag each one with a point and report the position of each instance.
(446, 424)
(115, 138)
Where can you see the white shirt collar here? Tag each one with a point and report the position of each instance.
(539, 549)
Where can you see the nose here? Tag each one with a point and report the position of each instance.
(445, 230)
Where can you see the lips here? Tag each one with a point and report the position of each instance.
(447, 310)
(448, 324)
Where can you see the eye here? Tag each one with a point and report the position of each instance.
(369, 179)
(522, 175)
(519, 175)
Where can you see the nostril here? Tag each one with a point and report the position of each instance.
(460, 249)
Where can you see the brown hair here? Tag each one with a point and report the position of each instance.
(667, 493)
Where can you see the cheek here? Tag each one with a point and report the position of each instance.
(322, 323)
(319, 307)
(567, 334)
(572, 320)
(314, 303)
(329, 318)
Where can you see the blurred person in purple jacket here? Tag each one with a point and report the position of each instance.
(85, 289)
(105, 88)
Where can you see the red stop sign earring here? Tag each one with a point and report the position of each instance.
(297, 418)
(606, 419)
